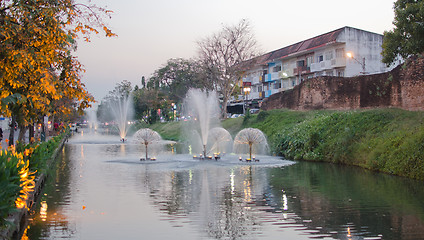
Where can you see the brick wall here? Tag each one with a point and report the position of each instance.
(403, 87)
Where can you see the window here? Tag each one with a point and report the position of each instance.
(300, 63)
(320, 58)
(286, 84)
(259, 88)
(277, 68)
(329, 73)
(329, 55)
(340, 53)
(277, 85)
(285, 66)
(309, 61)
(340, 73)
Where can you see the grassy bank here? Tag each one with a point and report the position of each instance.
(386, 140)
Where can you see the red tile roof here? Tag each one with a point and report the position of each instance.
(305, 45)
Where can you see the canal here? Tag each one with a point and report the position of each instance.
(101, 190)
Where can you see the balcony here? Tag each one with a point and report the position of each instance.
(275, 76)
(256, 79)
(286, 73)
(302, 70)
(247, 79)
(266, 78)
(338, 62)
(328, 64)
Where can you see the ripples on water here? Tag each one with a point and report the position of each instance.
(102, 191)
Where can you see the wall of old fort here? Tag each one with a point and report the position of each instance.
(403, 87)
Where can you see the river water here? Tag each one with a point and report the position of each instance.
(101, 190)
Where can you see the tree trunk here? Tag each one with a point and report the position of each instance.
(12, 132)
(22, 131)
(224, 107)
(31, 132)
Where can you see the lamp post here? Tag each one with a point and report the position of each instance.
(246, 90)
(350, 55)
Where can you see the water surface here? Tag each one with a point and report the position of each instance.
(101, 190)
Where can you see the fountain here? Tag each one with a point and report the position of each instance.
(92, 120)
(121, 107)
(219, 142)
(250, 140)
(148, 138)
(204, 109)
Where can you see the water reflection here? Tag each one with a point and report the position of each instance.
(113, 195)
(365, 204)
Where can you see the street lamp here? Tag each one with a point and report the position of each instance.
(350, 55)
(246, 90)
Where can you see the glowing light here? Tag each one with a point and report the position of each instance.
(27, 181)
(82, 151)
(285, 206)
(43, 211)
(349, 55)
(348, 232)
(232, 182)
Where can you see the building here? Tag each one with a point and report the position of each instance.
(344, 52)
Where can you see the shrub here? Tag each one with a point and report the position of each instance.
(16, 182)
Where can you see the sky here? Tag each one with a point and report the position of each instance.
(150, 32)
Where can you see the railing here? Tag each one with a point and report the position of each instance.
(328, 64)
(253, 79)
(302, 69)
(286, 73)
(338, 62)
(275, 76)
(268, 77)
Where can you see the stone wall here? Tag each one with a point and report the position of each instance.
(403, 87)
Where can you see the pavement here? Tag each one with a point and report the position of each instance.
(6, 133)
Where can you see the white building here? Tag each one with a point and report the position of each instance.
(323, 55)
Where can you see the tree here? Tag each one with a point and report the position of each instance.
(177, 77)
(407, 38)
(36, 62)
(148, 100)
(220, 54)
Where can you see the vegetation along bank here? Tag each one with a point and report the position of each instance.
(385, 140)
(23, 171)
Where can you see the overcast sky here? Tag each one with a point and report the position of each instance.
(152, 31)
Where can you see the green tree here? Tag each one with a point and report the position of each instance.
(407, 38)
(177, 77)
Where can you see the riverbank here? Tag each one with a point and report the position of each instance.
(40, 159)
(384, 140)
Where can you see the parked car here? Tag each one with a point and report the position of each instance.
(254, 111)
(74, 127)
